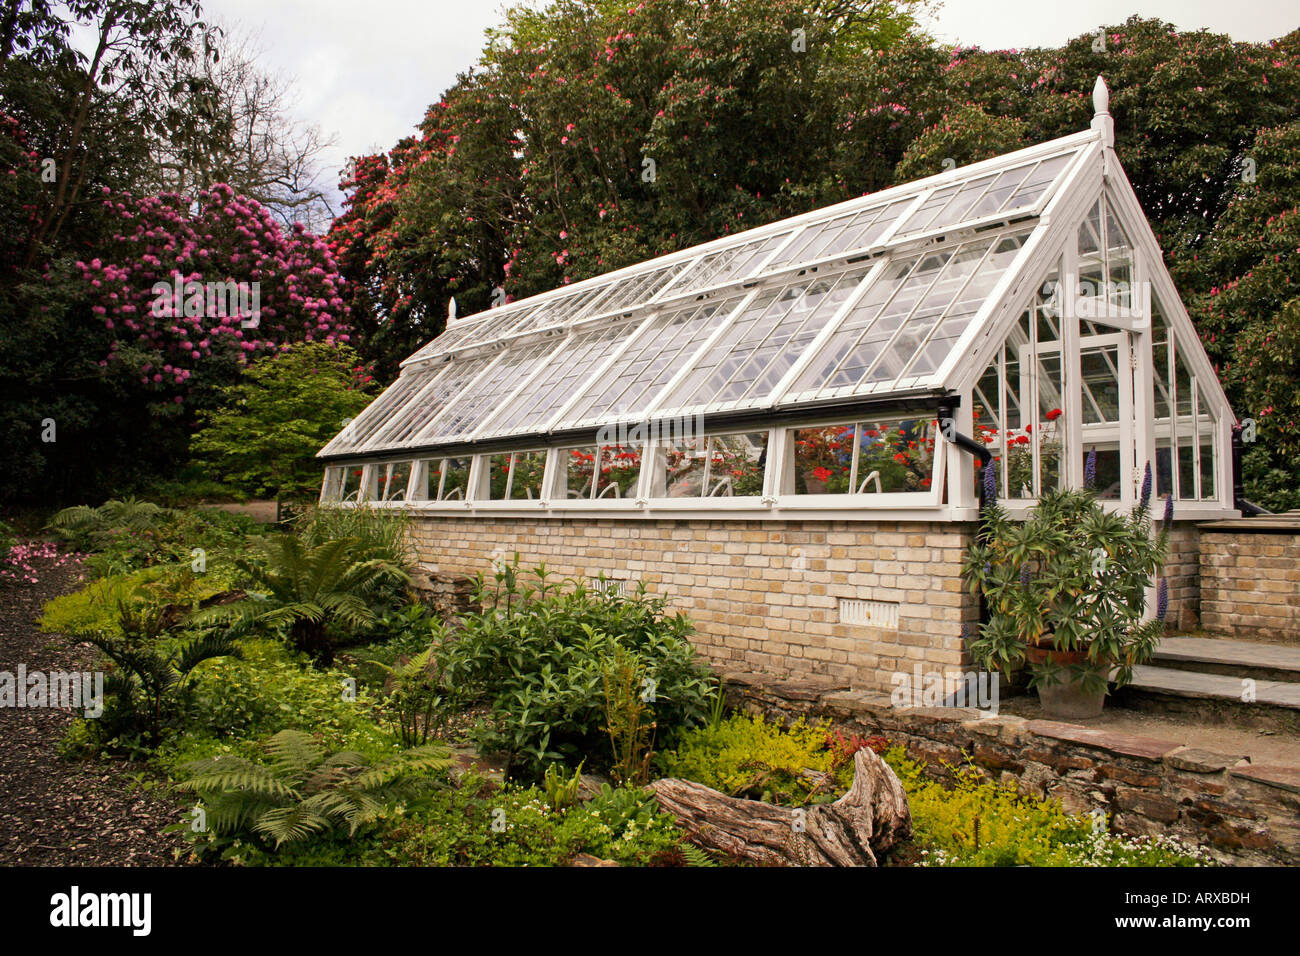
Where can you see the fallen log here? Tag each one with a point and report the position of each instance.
(867, 821)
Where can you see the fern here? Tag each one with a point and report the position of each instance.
(312, 592)
(302, 790)
(696, 856)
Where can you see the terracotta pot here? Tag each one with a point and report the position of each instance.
(815, 486)
(1068, 699)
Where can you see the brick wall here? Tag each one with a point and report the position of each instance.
(763, 595)
(1250, 584)
(1183, 572)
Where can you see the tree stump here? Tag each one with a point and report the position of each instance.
(867, 821)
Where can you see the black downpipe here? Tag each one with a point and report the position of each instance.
(948, 428)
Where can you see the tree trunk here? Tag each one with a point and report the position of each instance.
(869, 820)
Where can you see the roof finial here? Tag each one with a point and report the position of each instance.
(1101, 107)
(451, 310)
(1100, 96)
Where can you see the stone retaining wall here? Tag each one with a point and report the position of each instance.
(1239, 812)
(1250, 584)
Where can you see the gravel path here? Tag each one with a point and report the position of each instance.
(53, 811)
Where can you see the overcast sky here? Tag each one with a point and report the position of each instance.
(366, 71)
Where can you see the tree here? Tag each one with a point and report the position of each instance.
(264, 435)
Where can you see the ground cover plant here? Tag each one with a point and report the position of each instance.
(972, 822)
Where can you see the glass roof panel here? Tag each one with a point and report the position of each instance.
(1009, 192)
(542, 398)
(930, 297)
(661, 349)
(407, 423)
(727, 265)
(747, 363)
(842, 234)
(380, 413)
(468, 411)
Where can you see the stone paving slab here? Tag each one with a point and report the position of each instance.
(1218, 686)
(1130, 745)
(1239, 653)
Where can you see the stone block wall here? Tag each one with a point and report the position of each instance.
(1237, 811)
(763, 595)
(1250, 584)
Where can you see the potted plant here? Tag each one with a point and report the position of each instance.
(1066, 593)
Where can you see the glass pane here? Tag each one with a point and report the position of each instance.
(638, 375)
(499, 476)
(1019, 453)
(620, 468)
(526, 478)
(445, 479)
(986, 412)
(896, 455)
(1186, 471)
(1208, 444)
(580, 465)
(1051, 431)
(680, 472)
(736, 465)
(543, 397)
(823, 460)
(472, 406)
(397, 476)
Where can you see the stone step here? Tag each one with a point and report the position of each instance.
(1271, 662)
(1222, 698)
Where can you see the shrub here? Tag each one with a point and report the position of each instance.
(301, 789)
(745, 756)
(315, 595)
(1072, 577)
(95, 608)
(538, 654)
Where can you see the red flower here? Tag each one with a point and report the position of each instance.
(1054, 414)
(821, 473)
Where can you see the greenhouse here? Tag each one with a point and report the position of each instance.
(784, 429)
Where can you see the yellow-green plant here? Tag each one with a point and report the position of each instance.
(629, 720)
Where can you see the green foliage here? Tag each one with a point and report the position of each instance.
(416, 699)
(629, 718)
(978, 822)
(271, 689)
(456, 828)
(84, 528)
(175, 590)
(538, 655)
(149, 680)
(1071, 577)
(562, 789)
(964, 135)
(263, 436)
(123, 536)
(745, 756)
(316, 595)
(301, 789)
(382, 531)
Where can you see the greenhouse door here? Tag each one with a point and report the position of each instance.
(1105, 395)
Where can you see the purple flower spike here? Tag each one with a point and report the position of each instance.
(990, 484)
(1090, 470)
(1169, 511)
(1145, 498)
(1024, 575)
(1162, 600)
